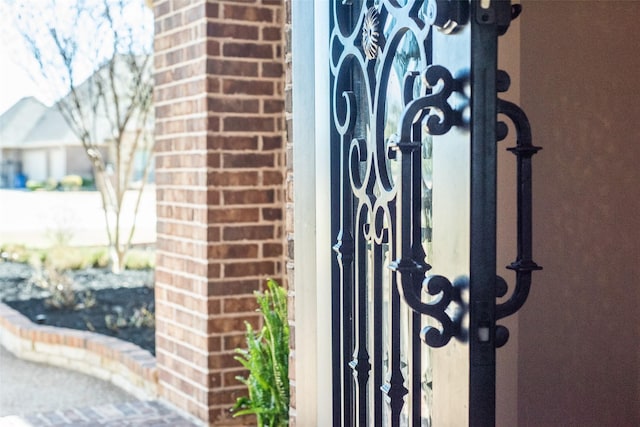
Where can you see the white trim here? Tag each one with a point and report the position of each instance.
(323, 213)
(310, 105)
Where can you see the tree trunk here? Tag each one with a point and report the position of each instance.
(116, 258)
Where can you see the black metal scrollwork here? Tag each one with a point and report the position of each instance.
(439, 117)
(524, 264)
(383, 82)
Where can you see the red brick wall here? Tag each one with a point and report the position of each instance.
(219, 176)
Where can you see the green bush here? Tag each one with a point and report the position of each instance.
(34, 185)
(50, 184)
(88, 183)
(71, 182)
(267, 359)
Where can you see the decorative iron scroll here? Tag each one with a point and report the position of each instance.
(380, 51)
(524, 264)
(388, 102)
(438, 117)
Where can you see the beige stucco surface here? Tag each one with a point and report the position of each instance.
(579, 346)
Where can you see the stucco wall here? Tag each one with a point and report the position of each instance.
(579, 347)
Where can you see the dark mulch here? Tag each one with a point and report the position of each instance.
(115, 302)
(116, 297)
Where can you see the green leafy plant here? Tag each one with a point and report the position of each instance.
(267, 360)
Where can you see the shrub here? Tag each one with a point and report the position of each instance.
(267, 359)
(51, 184)
(142, 317)
(61, 288)
(15, 253)
(71, 182)
(34, 185)
(99, 258)
(68, 258)
(88, 183)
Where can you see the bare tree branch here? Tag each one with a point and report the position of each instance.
(110, 108)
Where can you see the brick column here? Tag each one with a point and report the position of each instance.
(219, 176)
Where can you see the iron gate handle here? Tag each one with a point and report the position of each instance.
(524, 264)
(439, 116)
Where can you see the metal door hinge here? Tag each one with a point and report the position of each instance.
(498, 12)
(447, 15)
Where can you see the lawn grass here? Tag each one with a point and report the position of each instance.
(62, 257)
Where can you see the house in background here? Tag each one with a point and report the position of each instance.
(37, 142)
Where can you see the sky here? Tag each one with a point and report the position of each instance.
(15, 82)
(18, 68)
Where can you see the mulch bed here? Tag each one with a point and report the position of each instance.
(119, 302)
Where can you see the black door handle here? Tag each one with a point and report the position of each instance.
(524, 264)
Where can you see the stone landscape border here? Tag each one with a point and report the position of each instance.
(122, 363)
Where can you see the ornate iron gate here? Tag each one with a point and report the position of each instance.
(413, 153)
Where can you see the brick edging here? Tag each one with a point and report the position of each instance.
(122, 363)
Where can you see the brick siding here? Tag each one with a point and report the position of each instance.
(220, 196)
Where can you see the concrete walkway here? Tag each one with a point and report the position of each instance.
(28, 387)
(35, 395)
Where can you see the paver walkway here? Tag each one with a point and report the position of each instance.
(129, 414)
